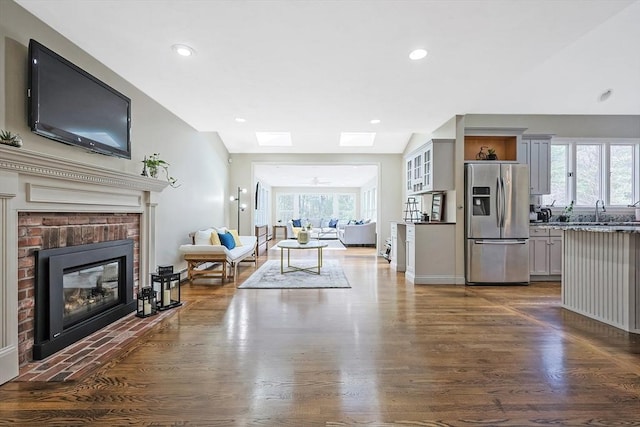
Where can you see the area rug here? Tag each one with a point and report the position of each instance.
(268, 276)
(333, 245)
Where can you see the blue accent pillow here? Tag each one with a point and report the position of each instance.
(227, 240)
(297, 222)
(333, 223)
(359, 222)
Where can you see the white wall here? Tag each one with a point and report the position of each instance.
(198, 160)
(594, 126)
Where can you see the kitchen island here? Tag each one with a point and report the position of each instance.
(601, 272)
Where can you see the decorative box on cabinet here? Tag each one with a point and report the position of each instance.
(545, 254)
(505, 142)
(430, 167)
(431, 254)
(535, 150)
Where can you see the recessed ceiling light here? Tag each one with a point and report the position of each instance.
(183, 49)
(375, 121)
(274, 139)
(417, 54)
(357, 139)
(606, 95)
(240, 120)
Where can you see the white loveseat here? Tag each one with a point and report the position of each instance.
(201, 251)
(363, 234)
(319, 229)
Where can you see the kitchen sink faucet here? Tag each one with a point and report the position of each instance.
(597, 212)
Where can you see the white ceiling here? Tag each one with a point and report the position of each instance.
(317, 68)
(312, 175)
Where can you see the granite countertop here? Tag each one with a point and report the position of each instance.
(604, 227)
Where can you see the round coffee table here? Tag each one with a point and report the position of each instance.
(293, 244)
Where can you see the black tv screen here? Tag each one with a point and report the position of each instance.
(69, 105)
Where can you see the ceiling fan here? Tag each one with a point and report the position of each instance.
(318, 181)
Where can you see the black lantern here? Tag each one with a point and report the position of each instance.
(146, 302)
(168, 285)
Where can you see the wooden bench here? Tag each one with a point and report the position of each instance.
(194, 261)
(225, 261)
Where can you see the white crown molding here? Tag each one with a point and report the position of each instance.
(493, 131)
(28, 162)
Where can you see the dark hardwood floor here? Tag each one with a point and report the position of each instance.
(379, 354)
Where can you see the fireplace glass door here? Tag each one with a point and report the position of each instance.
(80, 289)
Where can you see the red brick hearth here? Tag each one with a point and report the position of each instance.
(37, 230)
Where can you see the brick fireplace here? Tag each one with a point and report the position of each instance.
(49, 202)
(37, 231)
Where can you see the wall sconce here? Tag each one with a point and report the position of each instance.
(241, 206)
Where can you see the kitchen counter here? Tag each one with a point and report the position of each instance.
(425, 254)
(599, 227)
(600, 265)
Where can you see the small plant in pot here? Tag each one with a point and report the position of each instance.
(491, 154)
(10, 138)
(566, 213)
(152, 166)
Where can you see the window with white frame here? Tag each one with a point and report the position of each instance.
(369, 204)
(325, 206)
(284, 207)
(587, 170)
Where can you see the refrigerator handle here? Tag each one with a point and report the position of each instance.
(498, 211)
(504, 203)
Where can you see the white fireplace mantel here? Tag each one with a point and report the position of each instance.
(27, 162)
(31, 181)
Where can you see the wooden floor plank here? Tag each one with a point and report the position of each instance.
(382, 353)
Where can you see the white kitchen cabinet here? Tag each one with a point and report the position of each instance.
(555, 252)
(545, 253)
(430, 253)
(535, 150)
(410, 251)
(417, 173)
(414, 173)
(432, 167)
(398, 246)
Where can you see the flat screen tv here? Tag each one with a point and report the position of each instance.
(69, 105)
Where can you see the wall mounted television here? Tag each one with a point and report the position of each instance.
(69, 105)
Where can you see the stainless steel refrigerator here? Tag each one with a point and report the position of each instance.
(496, 223)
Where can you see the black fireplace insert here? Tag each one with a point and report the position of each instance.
(79, 290)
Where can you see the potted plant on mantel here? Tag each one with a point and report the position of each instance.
(153, 164)
(491, 154)
(10, 138)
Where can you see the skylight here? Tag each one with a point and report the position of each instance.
(357, 139)
(274, 139)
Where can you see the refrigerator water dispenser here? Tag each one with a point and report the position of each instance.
(481, 201)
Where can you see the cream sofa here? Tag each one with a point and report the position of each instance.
(201, 252)
(364, 234)
(319, 229)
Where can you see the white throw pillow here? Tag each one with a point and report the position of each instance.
(203, 237)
